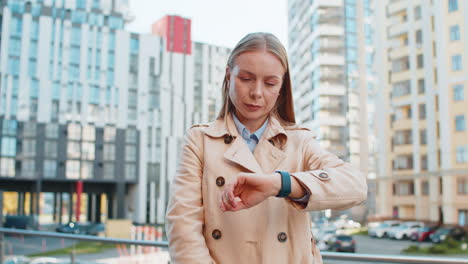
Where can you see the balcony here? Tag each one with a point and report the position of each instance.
(396, 6)
(397, 29)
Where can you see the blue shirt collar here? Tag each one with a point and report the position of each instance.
(245, 133)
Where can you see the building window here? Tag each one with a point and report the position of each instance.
(7, 167)
(463, 217)
(73, 150)
(9, 127)
(462, 185)
(452, 5)
(52, 130)
(28, 168)
(73, 169)
(404, 188)
(403, 162)
(401, 64)
(420, 62)
(421, 86)
(403, 137)
(458, 94)
(423, 137)
(462, 154)
(86, 170)
(457, 62)
(50, 169)
(74, 131)
(130, 171)
(460, 123)
(401, 88)
(109, 171)
(419, 36)
(417, 13)
(454, 33)
(422, 111)
(29, 148)
(89, 133)
(88, 151)
(425, 187)
(50, 148)
(131, 136)
(109, 134)
(130, 153)
(109, 152)
(424, 162)
(8, 146)
(29, 129)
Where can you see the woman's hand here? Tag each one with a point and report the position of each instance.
(249, 190)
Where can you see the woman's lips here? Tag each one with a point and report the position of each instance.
(253, 107)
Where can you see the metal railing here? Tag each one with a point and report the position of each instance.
(361, 258)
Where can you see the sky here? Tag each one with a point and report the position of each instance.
(217, 22)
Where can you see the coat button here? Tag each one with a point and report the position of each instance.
(282, 237)
(323, 175)
(220, 181)
(216, 234)
(227, 139)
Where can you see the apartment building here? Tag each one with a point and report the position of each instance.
(422, 65)
(331, 53)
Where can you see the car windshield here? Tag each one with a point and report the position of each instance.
(443, 231)
(344, 238)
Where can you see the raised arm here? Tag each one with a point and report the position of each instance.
(331, 182)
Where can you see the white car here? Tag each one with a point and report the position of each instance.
(404, 230)
(383, 229)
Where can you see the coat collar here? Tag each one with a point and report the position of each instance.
(267, 154)
(226, 126)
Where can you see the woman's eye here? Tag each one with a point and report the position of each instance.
(245, 78)
(270, 84)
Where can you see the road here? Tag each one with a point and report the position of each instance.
(368, 245)
(27, 245)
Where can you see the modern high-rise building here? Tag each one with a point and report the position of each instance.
(330, 48)
(210, 68)
(86, 105)
(422, 60)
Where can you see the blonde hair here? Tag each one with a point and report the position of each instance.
(284, 108)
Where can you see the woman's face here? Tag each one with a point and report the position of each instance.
(254, 85)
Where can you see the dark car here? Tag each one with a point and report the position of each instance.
(423, 233)
(442, 234)
(342, 243)
(81, 228)
(20, 222)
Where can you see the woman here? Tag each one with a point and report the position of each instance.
(246, 181)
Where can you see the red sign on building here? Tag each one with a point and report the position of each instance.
(176, 31)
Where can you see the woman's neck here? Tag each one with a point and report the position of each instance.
(250, 124)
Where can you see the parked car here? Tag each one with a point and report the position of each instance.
(342, 243)
(423, 233)
(325, 234)
(81, 228)
(382, 229)
(404, 230)
(443, 233)
(20, 222)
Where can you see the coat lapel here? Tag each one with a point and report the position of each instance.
(240, 154)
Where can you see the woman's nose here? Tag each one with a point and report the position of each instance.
(256, 90)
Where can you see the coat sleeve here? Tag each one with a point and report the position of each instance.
(331, 182)
(185, 215)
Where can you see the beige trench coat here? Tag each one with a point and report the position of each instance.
(275, 231)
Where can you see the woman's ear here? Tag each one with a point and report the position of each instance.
(228, 73)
